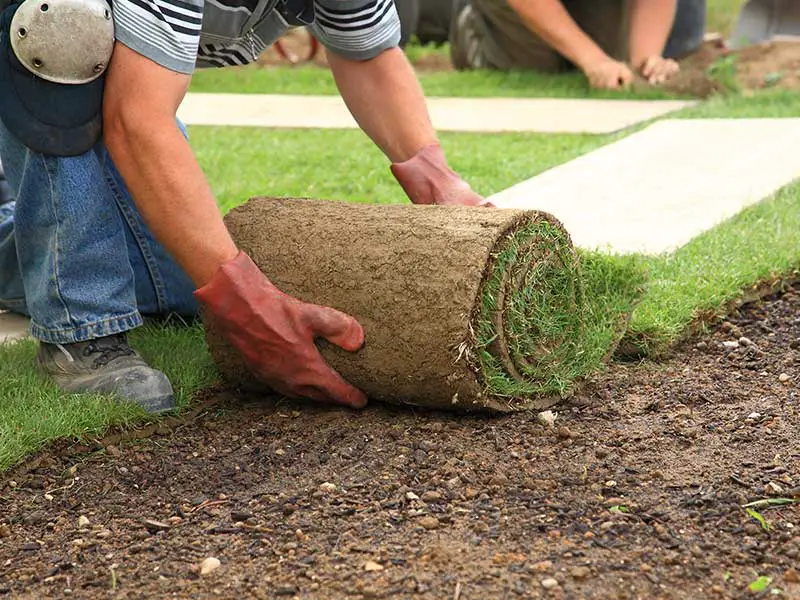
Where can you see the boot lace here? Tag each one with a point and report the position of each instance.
(107, 349)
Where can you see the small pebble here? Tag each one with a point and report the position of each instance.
(371, 565)
(580, 572)
(209, 565)
(431, 496)
(606, 525)
(547, 418)
(83, 522)
(543, 566)
(300, 536)
(783, 377)
(240, 515)
(564, 433)
(773, 489)
(5, 530)
(429, 522)
(48, 496)
(702, 345)
(745, 341)
(411, 496)
(280, 451)
(549, 583)
(611, 483)
(791, 576)
(730, 345)
(174, 520)
(753, 416)
(103, 533)
(327, 487)
(30, 547)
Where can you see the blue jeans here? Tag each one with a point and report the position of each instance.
(75, 254)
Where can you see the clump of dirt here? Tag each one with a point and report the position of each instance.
(715, 69)
(637, 490)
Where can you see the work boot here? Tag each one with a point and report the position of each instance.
(107, 365)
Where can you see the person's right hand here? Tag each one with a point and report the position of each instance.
(275, 333)
(608, 74)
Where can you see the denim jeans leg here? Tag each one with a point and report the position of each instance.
(70, 246)
(162, 287)
(12, 292)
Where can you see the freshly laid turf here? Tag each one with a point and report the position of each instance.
(311, 80)
(34, 412)
(696, 284)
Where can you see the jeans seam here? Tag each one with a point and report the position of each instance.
(141, 241)
(53, 201)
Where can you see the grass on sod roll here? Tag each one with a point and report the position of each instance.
(696, 281)
(555, 313)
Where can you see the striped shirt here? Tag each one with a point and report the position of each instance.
(183, 35)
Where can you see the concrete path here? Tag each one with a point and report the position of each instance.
(655, 190)
(543, 115)
(12, 327)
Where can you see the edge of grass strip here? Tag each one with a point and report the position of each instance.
(739, 260)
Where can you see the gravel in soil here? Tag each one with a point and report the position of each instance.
(634, 491)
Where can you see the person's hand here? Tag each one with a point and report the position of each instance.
(656, 69)
(608, 74)
(275, 333)
(427, 179)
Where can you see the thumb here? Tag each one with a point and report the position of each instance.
(336, 327)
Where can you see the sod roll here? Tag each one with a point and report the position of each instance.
(463, 308)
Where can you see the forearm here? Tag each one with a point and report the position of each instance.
(549, 20)
(386, 100)
(171, 192)
(650, 24)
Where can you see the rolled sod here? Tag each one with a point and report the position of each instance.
(462, 308)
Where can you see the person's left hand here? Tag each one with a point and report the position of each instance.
(657, 69)
(426, 178)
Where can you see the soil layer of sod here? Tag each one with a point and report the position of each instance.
(462, 309)
(637, 491)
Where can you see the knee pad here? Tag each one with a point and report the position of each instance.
(53, 58)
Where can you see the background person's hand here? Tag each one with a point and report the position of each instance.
(608, 74)
(656, 69)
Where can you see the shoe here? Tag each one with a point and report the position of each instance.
(107, 365)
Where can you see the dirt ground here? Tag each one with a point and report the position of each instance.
(635, 491)
(713, 69)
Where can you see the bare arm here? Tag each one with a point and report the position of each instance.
(386, 100)
(650, 24)
(140, 103)
(549, 20)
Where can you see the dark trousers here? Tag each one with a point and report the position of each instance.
(490, 34)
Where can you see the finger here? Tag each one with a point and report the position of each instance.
(330, 388)
(625, 76)
(336, 327)
(647, 68)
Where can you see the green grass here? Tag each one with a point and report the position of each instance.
(306, 79)
(691, 287)
(34, 412)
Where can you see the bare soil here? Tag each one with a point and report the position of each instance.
(714, 69)
(636, 491)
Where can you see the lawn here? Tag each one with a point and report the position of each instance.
(699, 280)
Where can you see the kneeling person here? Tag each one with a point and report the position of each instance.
(104, 231)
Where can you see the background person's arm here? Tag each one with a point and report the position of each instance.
(650, 24)
(549, 20)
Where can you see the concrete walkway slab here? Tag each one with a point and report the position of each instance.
(543, 115)
(657, 189)
(12, 327)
